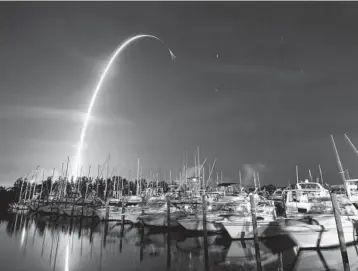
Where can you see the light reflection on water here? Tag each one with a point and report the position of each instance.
(30, 242)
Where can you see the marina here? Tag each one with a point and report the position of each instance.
(255, 228)
(178, 136)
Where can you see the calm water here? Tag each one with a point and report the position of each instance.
(30, 242)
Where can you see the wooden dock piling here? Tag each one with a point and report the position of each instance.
(206, 252)
(168, 234)
(123, 216)
(142, 205)
(122, 225)
(256, 237)
(107, 209)
(168, 213)
(342, 242)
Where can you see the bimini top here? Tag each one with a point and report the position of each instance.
(227, 184)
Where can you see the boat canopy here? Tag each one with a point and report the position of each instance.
(226, 184)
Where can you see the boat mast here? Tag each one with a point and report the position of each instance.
(240, 180)
(351, 144)
(42, 183)
(170, 176)
(114, 193)
(340, 167)
(79, 180)
(309, 172)
(106, 179)
(97, 180)
(258, 179)
(255, 180)
(320, 173)
(64, 189)
(88, 180)
(138, 189)
(37, 173)
(22, 185)
(52, 180)
(59, 190)
(199, 170)
(141, 178)
(297, 179)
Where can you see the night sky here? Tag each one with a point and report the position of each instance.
(253, 83)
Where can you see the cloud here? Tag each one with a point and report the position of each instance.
(249, 171)
(71, 115)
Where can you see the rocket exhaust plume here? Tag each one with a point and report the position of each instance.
(124, 45)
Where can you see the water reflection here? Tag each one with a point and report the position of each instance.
(31, 242)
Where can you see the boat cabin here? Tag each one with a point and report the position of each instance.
(352, 189)
(304, 196)
(309, 185)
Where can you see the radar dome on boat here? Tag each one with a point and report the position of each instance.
(306, 181)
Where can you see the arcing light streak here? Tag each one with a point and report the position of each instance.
(98, 87)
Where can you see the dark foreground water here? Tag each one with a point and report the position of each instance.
(30, 242)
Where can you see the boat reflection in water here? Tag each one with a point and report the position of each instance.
(31, 242)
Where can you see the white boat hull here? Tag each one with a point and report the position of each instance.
(117, 215)
(197, 225)
(78, 211)
(160, 219)
(241, 228)
(323, 235)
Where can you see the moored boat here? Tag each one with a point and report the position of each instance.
(318, 228)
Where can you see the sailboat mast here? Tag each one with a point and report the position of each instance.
(138, 191)
(309, 172)
(255, 180)
(320, 173)
(240, 180)
(22, 185)
(351, 144)
(88, 180)
(341, 171)
(37, 173)
(42, 183)
(97, 180)
(297, 178)
(64, 189)
(199, 169)
(106, 179)
(52, 180)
